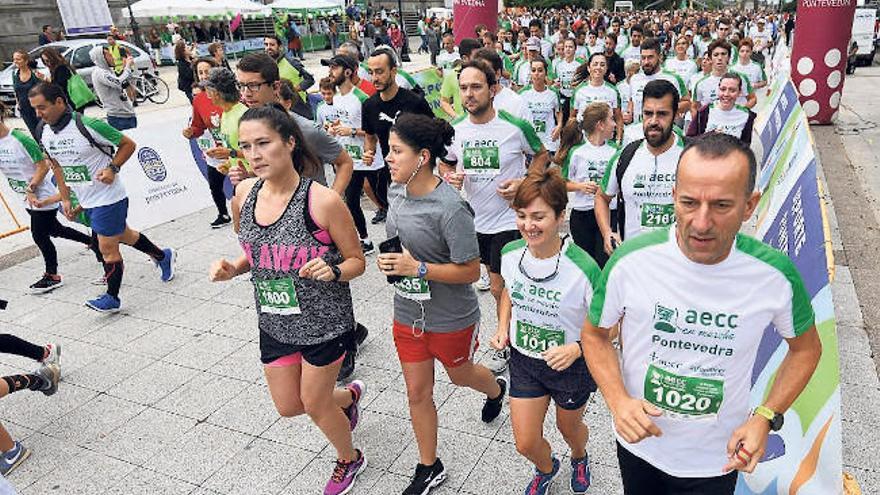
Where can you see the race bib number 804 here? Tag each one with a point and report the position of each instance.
(482, 160)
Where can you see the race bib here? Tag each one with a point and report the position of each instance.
(684, 397)
(76, 174)
(654, 215)
(534, 340)
(482, 160)
(277, 296)
(413, 288)
(540, 126)
(205, 142)
(356, 152)
(18, 186)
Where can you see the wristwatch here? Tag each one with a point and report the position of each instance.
(354, 132)
(423, 270)
(776, 420)
(233, 153)
(113, 168)
(336, 272)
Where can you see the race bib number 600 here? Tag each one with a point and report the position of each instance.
(277, 296)
(482, 160)
(685, 397)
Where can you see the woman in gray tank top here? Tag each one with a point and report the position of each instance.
(300, 272)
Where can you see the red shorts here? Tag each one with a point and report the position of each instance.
(451, 348)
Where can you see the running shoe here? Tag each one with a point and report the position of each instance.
(50, 374)
(540, 484)
(46, 284)
(492, 407)
(483, 284)
(221, 221)
(167, 264)
(353, 412)
(380, 216)
(498, 361)
(54, 355)
(105, 304)
(426, 478)
(580, 475)
(367, 246)
(13, 457)
(344, 475)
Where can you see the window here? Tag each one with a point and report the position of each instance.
(81, 57)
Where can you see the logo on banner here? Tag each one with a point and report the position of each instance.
(152, 164)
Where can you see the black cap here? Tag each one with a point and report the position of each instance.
(343, 61)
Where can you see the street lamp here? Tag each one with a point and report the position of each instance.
(135, 28)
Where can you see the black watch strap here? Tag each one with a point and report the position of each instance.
(336, 272)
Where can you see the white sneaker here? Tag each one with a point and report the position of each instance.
(54, 356)
(483, 284)
(498, 361)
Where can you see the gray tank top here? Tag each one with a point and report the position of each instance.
(290, 309)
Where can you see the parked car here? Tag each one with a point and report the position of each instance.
(75, 51)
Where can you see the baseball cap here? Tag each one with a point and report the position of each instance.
(343, 61)
(533, 43)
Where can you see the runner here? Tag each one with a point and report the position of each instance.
(206, 117)
(753, 70)
(450, 96)
(304, 308)
(725, 115)
(45, 380)
(289, 67)
(682, 64)
(110, 88)
(26, 169)
(522, 71)
(583, 165)
(616, 66)
(448, 55)
(651, 61)
(543, 331)
(379, 113)
(565, 73)
(594, 89)
(222, 90)
(633, 49)
(361, 79)
(488, 159)
(701, 286)
(79, 145)
(436, 312)
(544, 105)
(706, 89)
(641, 176)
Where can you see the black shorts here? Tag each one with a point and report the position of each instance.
(491, 246)
(642, 478)
(531, 378)
(320, 354)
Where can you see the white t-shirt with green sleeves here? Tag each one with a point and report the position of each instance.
(640, 80)
(347, 108)
(587, 163)
(565, 74)
(80, 161)
(647, 187)
(753, 70)
(490, 154)
(731, 122)
(684, 68)
(691, 334)
(19, 155)
(586, 93)
(550, 313)
(543, 106)
(706, 89)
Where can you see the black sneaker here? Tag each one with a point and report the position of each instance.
(347, 367)
(380, 216)
(367, 246)
(46, 284)
(221, 221)
(492, 407)
(426, 478)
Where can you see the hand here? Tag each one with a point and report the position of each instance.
(555, 134)
(747, 444)
(632, 419)
(66, 208)
(627, 117)
(40, 75)
(402, 264)
(369, 155)
(500, 340)
(32, 200)
(455, 179)
(222, 270)
(508, 189)
(560, 357)
(612, 78)
(218, 153)
(106, 176)
(607, 242)
(317, 269)
(237, 174)
(589, 187)
(188, 132)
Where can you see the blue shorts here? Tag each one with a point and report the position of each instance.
(531, 378)
(122, 123)
(109, 220)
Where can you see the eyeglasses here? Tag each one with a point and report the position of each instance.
(253, 87)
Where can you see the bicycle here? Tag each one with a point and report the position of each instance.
(148, 86)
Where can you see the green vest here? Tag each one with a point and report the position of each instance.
(287, 71)
(118, 62)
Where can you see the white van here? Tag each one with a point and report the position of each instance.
(623, 6)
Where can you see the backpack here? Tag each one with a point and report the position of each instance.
(110, 151)
(626, 156)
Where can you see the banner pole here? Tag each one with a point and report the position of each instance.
(19, 228)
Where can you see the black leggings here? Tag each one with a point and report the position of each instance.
(44, 226)
(10, 344)
(353, 196)
(641, 478)
(215, 182)
(586, 234)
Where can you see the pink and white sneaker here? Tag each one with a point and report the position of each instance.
(344, 475)
(353, 412)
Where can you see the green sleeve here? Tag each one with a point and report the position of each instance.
(610, 170)
(528, 131)
(30, 146)
(103, 129)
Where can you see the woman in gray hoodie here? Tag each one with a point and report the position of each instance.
(110, 88)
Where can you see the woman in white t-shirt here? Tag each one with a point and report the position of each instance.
(548, 284)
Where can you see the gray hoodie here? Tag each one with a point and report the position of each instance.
(108, 86)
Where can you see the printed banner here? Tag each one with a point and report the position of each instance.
(430, 80)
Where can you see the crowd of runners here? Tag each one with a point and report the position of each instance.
(593, 174)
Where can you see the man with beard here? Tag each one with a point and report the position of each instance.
(650, 53)
(290, 68)
(641, 175)
(616, 69)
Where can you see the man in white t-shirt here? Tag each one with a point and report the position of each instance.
(449, 54)
(633, 50)
(693, 302)
(651, 63)
(706, 89)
